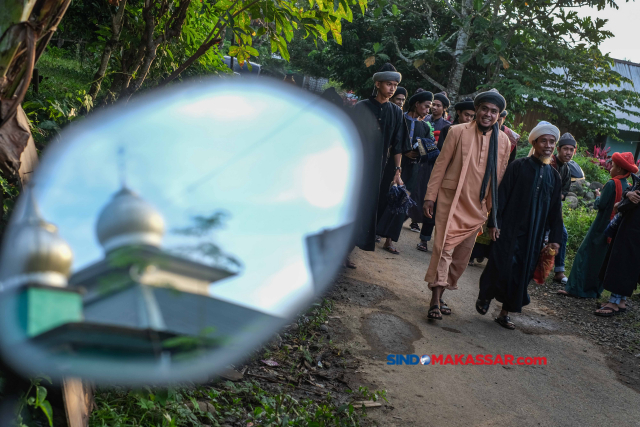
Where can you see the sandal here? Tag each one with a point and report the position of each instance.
(505, 322)
(434, 313)
(422, 246)
(482, 306)
(605, 312)
(414, 227)
(391, 249)
(444, 308)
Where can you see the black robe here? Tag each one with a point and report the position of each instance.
(620, 271)
(529, 203)
(381, 128)
(389, 224)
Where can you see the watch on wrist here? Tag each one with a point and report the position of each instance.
(398, 168)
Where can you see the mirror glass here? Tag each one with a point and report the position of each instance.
(162, 240)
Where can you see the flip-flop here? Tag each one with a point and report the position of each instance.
(505, 322)
(608, 312)
(391, 249)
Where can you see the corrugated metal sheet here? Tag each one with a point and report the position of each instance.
(631, 71)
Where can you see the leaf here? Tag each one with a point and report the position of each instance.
(384, 56)
(41, 395)
(48, 412)
(418, 63)
(394, 10)
(477, 4)
(370, 61)
(505, 63)
(377, 12)
(377, 47)
(363, 5)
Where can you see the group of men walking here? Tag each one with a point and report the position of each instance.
(466, 179)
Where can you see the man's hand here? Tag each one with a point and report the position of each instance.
(597, 192)
(634, 196)
(397, 179)
(494, 233)
(412, 155)
(427, 208)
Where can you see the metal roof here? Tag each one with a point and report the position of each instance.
(630, 70)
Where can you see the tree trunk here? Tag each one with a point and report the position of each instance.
(453, 88)
(24, 34)
(116, 30)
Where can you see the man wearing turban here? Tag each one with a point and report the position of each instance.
(465, 182)
(381, 126)
(584, 280)
(529, 203)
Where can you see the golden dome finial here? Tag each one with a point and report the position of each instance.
(38, 254)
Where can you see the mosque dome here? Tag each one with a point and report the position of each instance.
(129, 220)
(35, 252)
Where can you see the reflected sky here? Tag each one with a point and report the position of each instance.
(280, 165)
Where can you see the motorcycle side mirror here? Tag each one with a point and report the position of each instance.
(164, 240)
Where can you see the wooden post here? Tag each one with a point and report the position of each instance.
(78, 401)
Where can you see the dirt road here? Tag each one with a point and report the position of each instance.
(382, 308)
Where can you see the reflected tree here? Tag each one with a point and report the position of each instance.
(202, 229)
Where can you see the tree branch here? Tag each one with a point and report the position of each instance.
(422, 73)
(452, 9)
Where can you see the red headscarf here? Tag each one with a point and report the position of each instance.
(626, 162)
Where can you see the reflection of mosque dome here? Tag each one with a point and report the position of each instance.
(129, 220)
(36, 254)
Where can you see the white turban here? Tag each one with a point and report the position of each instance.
(543, 128)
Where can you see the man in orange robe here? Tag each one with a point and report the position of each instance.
(464, 181)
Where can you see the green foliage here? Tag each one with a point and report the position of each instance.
(577, 222)
(36, 399)
(592, 171)
(62, 97)
(540, 54)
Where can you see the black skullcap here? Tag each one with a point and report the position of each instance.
(567, 139)
(400, 91)
(504, 113)
(491, 96)
(419, 90)
(442, 97)
(466, 104)
(420, 97)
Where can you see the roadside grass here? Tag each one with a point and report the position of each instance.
(285, 394)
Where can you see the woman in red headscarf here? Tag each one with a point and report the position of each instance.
(584, 279)
(621, 269)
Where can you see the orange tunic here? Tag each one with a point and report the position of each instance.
(455, 183)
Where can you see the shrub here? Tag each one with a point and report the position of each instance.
(577, 222)
(591, 167)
